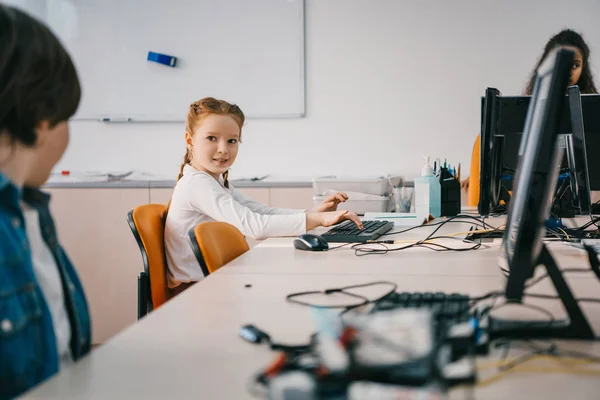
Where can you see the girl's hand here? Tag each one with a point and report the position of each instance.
(331, 203)
(314, 220)
(335, 217)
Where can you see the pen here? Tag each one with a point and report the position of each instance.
(115, 119)
(459, 172)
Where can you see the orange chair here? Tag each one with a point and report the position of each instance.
(147, 222)
(215, 244)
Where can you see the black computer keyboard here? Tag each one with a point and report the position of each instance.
(447, 309)
(348, 232)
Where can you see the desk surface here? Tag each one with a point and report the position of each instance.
(190, 347)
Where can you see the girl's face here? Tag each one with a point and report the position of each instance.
(214, 144)
(577, 65)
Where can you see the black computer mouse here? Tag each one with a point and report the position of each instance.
(311, 242)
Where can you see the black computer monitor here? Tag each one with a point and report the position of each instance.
(491, 191)
(504, 117)
(488, 133)
(511, 114)
(577, 155)
(535, 183)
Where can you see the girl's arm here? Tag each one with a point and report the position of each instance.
(262, 208)
(329, 204)
(208, 197)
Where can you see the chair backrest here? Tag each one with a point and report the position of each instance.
(215, 244)
(147, 222)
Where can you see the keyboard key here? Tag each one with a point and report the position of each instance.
(348, 232)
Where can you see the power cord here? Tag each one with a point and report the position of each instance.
(548, 296)
(455, 219)
(364, 250)
(293, 297)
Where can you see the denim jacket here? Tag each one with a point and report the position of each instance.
(28, 353)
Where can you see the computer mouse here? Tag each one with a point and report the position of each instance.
(311, 242)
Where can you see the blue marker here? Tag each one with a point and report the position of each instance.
(164, 59)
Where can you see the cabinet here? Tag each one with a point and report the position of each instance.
(92, 227)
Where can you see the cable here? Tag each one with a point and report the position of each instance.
(460, 216)
(592, 220)
(553, 297)
(564, 187)
(446, 235)
(570, 368)
(361, 250)
(427, 242)
(571, 361)
(339, 247)
(564, 270)
(343, 290)
(468, 219)
(588, 300)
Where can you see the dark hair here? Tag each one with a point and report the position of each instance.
(38, 81)
(568, 37)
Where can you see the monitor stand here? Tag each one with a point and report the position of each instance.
(575, 326)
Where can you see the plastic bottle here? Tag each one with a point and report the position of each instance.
(428, 193)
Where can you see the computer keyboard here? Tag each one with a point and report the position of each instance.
(447, 309)
(348, 232)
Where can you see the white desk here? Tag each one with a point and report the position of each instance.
(190, 347)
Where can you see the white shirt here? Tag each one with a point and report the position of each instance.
(198, 198)
(48, 277)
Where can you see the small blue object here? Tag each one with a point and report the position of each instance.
(477, 329)
(554, 223)
(564, 176)
(164, 59)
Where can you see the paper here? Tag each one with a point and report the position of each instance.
(399, 219)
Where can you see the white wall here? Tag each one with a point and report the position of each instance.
(387, 82)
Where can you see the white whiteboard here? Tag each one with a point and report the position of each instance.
(246, 52)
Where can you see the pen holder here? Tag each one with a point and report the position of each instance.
(450, 190)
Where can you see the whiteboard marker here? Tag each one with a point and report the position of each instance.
(116, 119)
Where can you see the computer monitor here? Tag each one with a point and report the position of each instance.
(577, 155)
(511, 119)
(535, 182)
(499, 150)
(488, 133)
(491, 191)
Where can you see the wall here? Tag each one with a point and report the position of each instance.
(387, 82)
